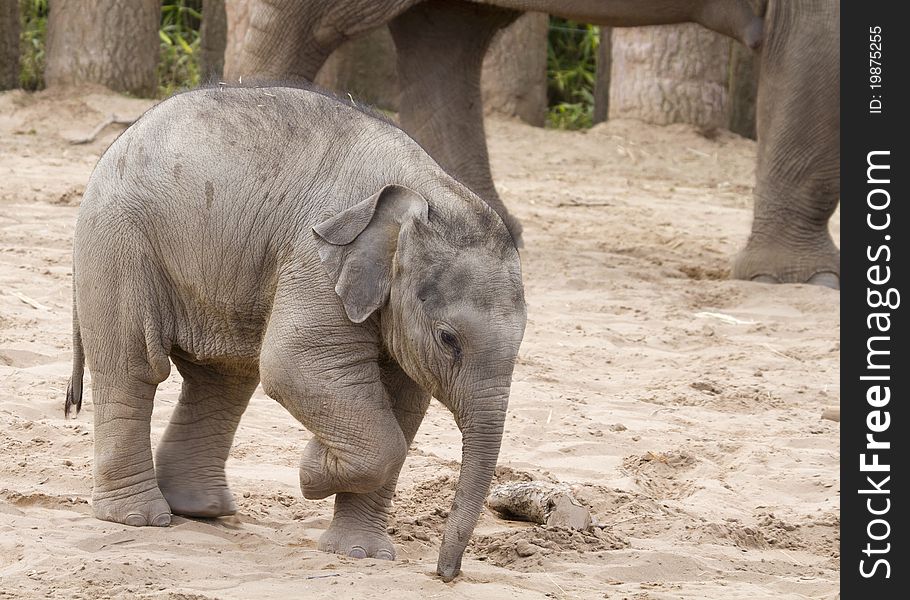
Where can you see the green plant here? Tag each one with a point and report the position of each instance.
(571, 73)
(178, 65)
(32, 34)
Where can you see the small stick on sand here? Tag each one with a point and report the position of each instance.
(111, 120)
(31, 302)
(698, 152)
(558, 587)
(126, 541)
(539, 502)
(580, 203)
(729, 319)
(779, 353)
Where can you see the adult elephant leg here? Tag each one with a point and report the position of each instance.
(190, 459)
(798, 174)
(291, 39)
(441, 46)
(359, 524)
(273, 40)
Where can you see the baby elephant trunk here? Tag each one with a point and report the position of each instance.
(481, 424)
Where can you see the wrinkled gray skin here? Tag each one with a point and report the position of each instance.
(441, 44)
(276, 234)
(798, 171)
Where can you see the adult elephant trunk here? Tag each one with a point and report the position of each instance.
(481, 423)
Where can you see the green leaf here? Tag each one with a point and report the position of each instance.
(186, 47)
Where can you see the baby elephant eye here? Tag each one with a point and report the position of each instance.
(451, 341)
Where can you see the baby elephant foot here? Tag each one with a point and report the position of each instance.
(138, 509)
(356, 543)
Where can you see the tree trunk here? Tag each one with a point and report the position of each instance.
(514, 79)
(365, 68)
(602, 76)
(743, 88)
(111, 42)
(212, 40)
(9, 44)
(670, 74)
(237, 13)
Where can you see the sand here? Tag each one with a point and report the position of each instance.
(683, 407)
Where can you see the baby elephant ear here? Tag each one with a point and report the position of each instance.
(357, 246)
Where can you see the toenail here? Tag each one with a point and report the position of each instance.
(384, 555)
(162, 520)
(357, 552)
(134, 520)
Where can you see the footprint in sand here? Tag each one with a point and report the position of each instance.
(22, 359)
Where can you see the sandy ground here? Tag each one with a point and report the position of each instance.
(686, 407)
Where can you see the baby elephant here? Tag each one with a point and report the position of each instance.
(278, 235)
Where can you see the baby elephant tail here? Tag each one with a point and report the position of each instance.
(74, 387)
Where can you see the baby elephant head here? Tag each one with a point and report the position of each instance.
(446, 280)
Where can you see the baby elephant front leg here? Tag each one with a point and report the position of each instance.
(363, 480)
(353, 460)
(358, 447)
(359, 524)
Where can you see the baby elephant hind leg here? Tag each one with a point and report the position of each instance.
(190, 457)
(125, 489)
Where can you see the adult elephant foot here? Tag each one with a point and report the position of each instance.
(769, 262)
(358, 528)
